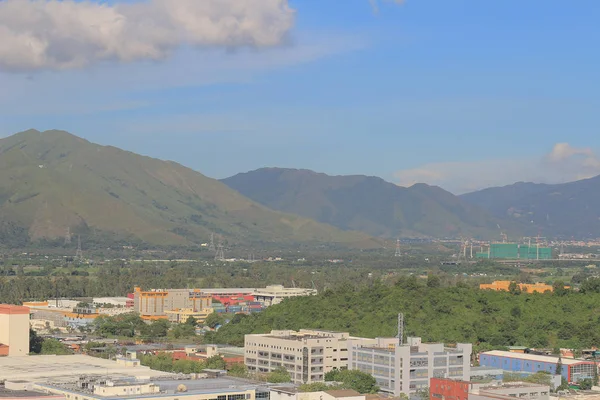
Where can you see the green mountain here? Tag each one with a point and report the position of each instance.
(366, 204)
(562, 210)
(52, 181)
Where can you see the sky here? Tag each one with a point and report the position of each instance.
(463, 94)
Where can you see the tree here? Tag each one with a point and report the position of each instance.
(585, 384)
(238, 370)
(191, 321)
(514, 288)
(315, 387)
(279, 375)
(356, 380)
(433, 281)
(423, 394)
(558, 288)
(53, 346)
(35, 342)
(214, 320)
(558, 370)
(215, 362)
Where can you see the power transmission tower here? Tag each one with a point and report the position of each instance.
(398, 253)
(78, 253)
(400, 335)
(68, 236)
(220, 254)
(211, 246)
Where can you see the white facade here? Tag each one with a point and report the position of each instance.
(275, 294)
(307, 355)
(409, 367)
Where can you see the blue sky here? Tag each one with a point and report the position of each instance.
(462, 94)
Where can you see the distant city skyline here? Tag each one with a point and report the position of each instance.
(463, 94)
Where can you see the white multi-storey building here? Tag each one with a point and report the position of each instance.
(307, 355)
(407, 368)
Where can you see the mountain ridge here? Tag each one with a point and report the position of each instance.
(570, 209)
(368, 204)
(53, 180)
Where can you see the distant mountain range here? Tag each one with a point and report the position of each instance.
(561, 210)
(368, 204)
(53, 182)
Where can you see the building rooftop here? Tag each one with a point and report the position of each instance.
(342, 393)
(53, 368)
(169, 387)
(534, 357)
(12, 394)
(12, 309)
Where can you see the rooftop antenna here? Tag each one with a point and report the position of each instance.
(398, 253)
(211, 246)
(68, 236)
(220, 255)
(400, 335)
(79, 253)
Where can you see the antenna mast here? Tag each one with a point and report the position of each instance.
(211, 246)
(79, 253)
(68, 236)
(400, 329)
(398, 253)
(220, 255)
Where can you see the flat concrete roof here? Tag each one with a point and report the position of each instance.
(534, 357)
(169, 387)
(46, 368)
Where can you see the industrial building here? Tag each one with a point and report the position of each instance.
(407, 368)
(101, 387)
(154, 304)
(510, 391)
(450, 389)
(307, 355)
(573, 370)
(516, 251)
(14, 330)
(525, 287)
(275, 294)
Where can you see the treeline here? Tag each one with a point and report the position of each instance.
(119, 279)
(450, 314)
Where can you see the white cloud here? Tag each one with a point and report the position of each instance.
(563, 164)
(63, 34)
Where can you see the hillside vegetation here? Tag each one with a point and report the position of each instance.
(51, 181)
(452, 314)
(367, 204)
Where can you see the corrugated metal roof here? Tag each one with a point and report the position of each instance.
(533, 357)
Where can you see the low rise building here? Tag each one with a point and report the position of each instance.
(525, 287)
(14, 330)
(154, 304)
(407, 368)
(510, 391)
(307, 355)
(573, 370)
(449, 389)
(275, 294)
(101, 387)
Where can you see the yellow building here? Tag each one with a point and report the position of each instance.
(154, 304)
(182, 315)
(525, 287)
(14, 330)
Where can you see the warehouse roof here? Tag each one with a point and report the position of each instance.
(534, 357)
(50, 368)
